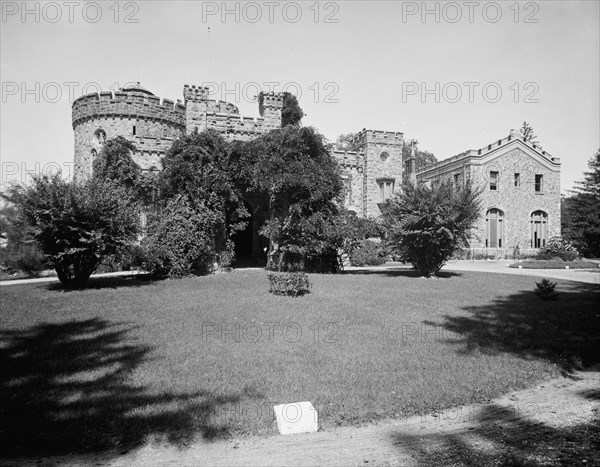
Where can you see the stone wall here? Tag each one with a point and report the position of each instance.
(507, 157)
(143, 119)
(203, 113)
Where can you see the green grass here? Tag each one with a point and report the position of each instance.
(128, 360)
(542, 264)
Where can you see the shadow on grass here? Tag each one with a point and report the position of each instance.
(565, 331)
(110, 282)
(400, 272)
(502, 436)
(65, 389)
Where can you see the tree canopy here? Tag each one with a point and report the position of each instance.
(528, 134)
(581, 215)
(423, 158)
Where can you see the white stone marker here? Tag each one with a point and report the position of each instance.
(297, 417)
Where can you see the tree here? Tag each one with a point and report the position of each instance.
(296, 172)
(581, 216)
(291, 113)
(423, 158)
(344, 142)
(426, 225)
(528, 134)
(77, 224)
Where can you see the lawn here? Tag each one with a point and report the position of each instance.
(130, 360)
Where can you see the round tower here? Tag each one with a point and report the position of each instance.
(134, 113)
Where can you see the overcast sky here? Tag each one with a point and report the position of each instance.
(454, 75)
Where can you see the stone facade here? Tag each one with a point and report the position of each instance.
(521, 192)
(521, 182)
(138, 115)
(372, 170)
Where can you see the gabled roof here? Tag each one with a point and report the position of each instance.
(493, 150)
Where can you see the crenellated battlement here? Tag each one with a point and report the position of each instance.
(127, 105)
(377, 137)
(353, 160)
(271, 99)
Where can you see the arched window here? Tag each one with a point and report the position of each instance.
(539, 229)
(384, 156)
(100, 136)
(494, 219)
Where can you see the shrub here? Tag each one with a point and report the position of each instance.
(77, 225)
(368, 253)
(557, 248)
(180, 240)
(426, 225)
(545, 290)
(226, 258)
(289, 283)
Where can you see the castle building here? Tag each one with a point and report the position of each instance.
(521, 182)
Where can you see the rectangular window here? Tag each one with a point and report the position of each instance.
(539, 183)
(133, 130)
(457, 181)
(493, 181)
(517, 180)
(386, 190)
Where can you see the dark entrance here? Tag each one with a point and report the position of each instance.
(243, 238)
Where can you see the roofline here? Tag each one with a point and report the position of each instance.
(490, 149)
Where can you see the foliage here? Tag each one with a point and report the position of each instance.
(344, 142)
(294, 169)
(423, 158)
(179, 240)
(291, 113)
(545, 290)
(77, 224)
(369, 253)
(201, 167)
(581, 216)
(289, 283)
(528, 135)
(426, 225)
(115, 163)
(555, 248)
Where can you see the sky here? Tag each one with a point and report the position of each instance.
(453, 75)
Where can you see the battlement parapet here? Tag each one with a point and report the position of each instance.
(272, 99)
(127, 105)
(377, 136)
(349, 159)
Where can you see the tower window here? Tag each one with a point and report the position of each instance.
(517, 180)
(457, 182)
(386, 189)
(133, 130)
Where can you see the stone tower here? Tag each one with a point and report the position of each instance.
(204, 113)
(134, 113)
(381, 173)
